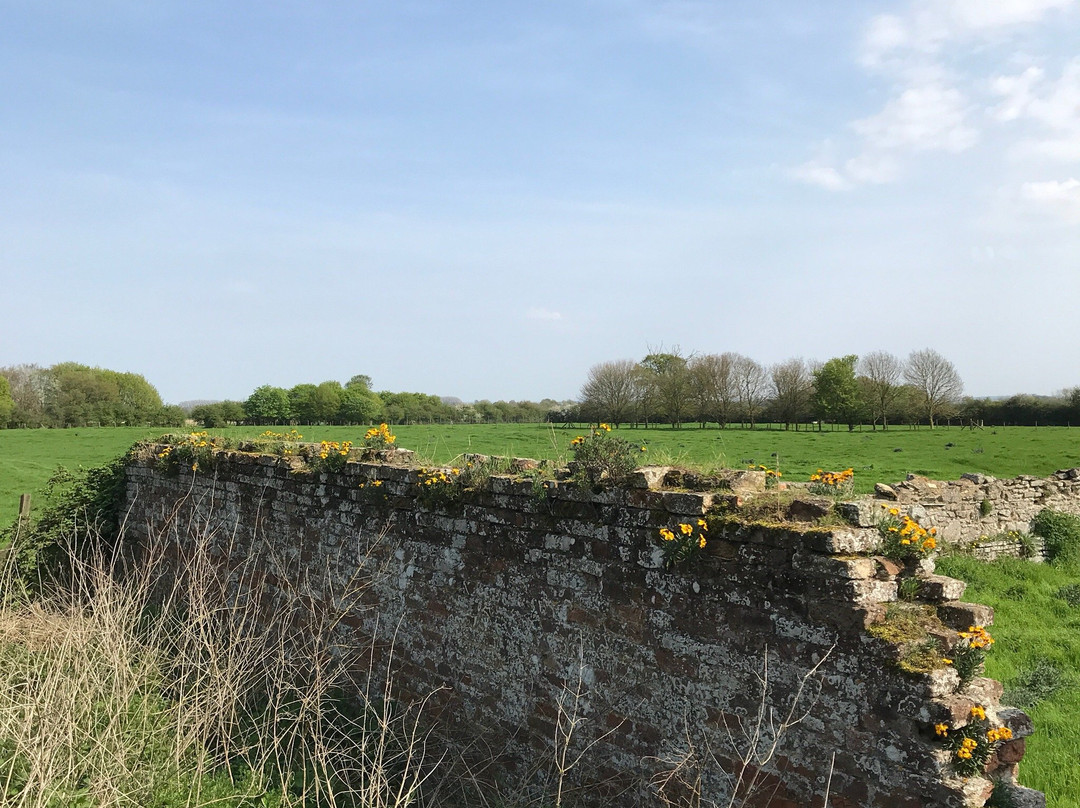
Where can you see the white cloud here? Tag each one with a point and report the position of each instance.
(1016, 92)
(1061, 199)
(929, 25)
(820, 174)
(1051, 106)
(543, 314)
(939, 103)
(920, 118)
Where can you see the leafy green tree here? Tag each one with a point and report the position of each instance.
(138, 402)
(220, 413)
(302, 403)
(326, 402)
(80, 396)
(837, 396)
(7, 403)
(359, 406)
(268, 405)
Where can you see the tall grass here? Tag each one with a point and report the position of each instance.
(185, 679)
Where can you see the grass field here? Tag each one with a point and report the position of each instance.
(29, 456)
(1033, 623)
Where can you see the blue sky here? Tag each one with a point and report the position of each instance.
(484, 199)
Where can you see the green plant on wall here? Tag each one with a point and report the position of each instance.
(603, 458)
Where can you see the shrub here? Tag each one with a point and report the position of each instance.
(601, 457)
(80, 518)
(1070, 593)
(1034, 684)
(1061, 533)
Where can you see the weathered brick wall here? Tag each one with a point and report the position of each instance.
(503, 600)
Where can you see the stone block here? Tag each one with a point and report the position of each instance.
(745, 483)
(809, 509)
(831, 566)
(685, 504)
(839, 541)
(1017, 720)
(940, 588)
(648, 477)
(961, 616)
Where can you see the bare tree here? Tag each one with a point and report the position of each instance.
(791, 385)
(936, 380)
(881, 372)
(712, 388)
(750, 381)
(609, 391)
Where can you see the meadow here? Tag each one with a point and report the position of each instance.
(29, 456)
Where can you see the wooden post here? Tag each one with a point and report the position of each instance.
(24, 508)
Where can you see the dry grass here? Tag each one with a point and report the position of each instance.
(189, 681)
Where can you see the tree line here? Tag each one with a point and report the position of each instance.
(70, 394)
(878, 389)
(354, 402)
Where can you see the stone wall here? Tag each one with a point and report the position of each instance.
(976, 507)
(522, 604)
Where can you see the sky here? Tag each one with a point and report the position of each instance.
(485, 199)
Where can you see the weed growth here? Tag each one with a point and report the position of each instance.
(1061, 532)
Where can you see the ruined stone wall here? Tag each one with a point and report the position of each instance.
(976, 507)
(512, 598)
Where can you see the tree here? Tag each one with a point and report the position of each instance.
(301, 403)
(750, 381)
(268, 405)
(666, 378)
(712, 389)
(359, 406)
(880, 373)
(326, 402)
(935, 379)
(30, 385)
(836, 391)
(608, 393)
(7, 403)
(791, 390)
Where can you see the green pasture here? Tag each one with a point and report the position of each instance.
(1034, 623)
(29, 456)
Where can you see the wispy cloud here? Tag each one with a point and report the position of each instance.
(1059, 198)
(936, 107)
